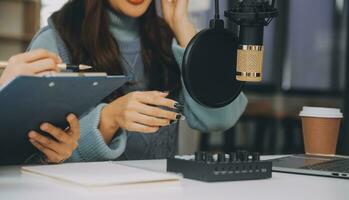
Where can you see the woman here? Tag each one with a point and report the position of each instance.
(40, 62)
(128, 37)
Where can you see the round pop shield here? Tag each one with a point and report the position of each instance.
(209, 68)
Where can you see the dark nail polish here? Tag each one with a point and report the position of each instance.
(165, 92)
(178, 117)
(173, 122)
(179, 111)
(178, 106)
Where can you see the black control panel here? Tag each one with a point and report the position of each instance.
(204, 166)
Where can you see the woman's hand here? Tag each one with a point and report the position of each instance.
(38, 62)
(137, 111)
(176, 14)
(60, 149)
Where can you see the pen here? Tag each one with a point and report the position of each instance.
(74, 68)
(62, 66)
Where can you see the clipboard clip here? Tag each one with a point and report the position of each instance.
(77, 74)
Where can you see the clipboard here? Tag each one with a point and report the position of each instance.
(27, 102)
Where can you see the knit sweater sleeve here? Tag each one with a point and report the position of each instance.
(92, 146)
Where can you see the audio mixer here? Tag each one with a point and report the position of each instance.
(204, 166)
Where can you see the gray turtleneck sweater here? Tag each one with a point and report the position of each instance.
(92, 146)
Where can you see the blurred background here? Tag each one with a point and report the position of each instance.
(306, 57)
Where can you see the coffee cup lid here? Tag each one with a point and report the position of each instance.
(321, 112)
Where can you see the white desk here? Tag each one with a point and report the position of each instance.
(14, 185)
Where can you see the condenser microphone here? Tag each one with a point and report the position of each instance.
(251, 16)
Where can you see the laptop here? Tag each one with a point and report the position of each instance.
(329, 166)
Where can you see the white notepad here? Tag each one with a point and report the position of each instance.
(100, 174)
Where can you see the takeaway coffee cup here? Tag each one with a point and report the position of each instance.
(320, 129)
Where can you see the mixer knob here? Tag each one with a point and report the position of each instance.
(255, 156)
(209, 157)
(242, 156)
(233, 157)
(203, 155)
(221, 157)
(198, 156)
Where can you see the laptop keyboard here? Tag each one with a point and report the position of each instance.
(338, 165)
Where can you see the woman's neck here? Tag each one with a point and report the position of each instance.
(123, 27)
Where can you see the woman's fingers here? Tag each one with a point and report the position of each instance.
(43, 65)
(136, 127)
(46, 73)
(45, 141)
(157, 112)
(167, 9)
(34, 55)
(60, 148)
(150, 121)
(74, 126)
(63, 145)
(174, 10)
(155, 98)
(50, 154)
(69, 138)
(57, 133)
(181, 8)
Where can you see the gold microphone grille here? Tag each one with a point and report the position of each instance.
(249, 63)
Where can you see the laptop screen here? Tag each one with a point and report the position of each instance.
(301, 161)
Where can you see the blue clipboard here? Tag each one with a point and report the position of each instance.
(27, 102)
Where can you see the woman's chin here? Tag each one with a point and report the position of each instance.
(133, 14)
(131, 8)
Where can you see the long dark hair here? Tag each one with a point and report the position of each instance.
(84, 27)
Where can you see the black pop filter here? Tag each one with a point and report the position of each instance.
(209, 67)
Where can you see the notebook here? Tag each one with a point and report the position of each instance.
(96, 175)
